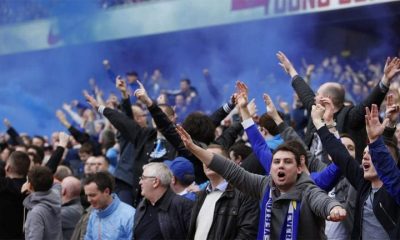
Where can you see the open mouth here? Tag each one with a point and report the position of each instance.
(281, 174)
(366, 166)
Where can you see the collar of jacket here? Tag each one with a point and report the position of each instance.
(110, 209)
(166, 200)
(72, 202)
(228, 193)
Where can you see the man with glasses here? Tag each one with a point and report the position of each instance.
(162, 214)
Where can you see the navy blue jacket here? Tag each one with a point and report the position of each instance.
(386, 168)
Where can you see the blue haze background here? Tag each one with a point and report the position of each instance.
(35, 84)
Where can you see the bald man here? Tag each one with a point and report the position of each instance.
(71, 209)
(347, 119)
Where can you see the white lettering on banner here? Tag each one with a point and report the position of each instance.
(286, 7)
(140, 20)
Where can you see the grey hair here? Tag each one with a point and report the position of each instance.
(161, 171)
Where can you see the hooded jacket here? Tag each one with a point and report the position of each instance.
(44, 217)
(315, 203)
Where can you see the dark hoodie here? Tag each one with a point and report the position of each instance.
(44, 217)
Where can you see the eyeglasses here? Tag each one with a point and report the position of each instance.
(146, 177)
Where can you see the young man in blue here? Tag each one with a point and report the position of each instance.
(111, 218)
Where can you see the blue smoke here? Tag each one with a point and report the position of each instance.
(35, 84)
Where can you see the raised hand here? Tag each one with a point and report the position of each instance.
(392, 110)
(286, 64)
(391, 69)
(241, 95)
(120, 84)
(374, 127)
(7, 123)
(317, 113)
(241, 87)
(271, 109)
(337, 214)
(106, 64)
(329, 109)
(252, 108)
(63, 139)
(233, 100)
(310, 69)
(62, 118)
(284, 105)
(186, 138)
(141, 94)
(91, 100)
(67, 107)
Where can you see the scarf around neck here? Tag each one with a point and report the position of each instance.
(290, 225)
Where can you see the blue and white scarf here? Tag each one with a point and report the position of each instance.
(290, 225)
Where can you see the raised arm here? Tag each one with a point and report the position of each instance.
(163, 123)
(125, 125)
(383, 161)
(246, 182)
(338, 152)
(14, 135)
(211, 86)
(303, 90)
(57, 155)
(324, 177)
(218, 115)
(111, 74)
(229, 136)
(356, 116)
(74, 115)
(126, 102)
(257, 141)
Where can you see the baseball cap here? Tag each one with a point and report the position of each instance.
(182, 169)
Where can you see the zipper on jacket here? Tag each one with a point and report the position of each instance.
(387, 215)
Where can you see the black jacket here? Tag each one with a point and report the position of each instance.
(137, 145)
(350, 120)
(11, 208)
(385, 207)
(235, 216)
(167, 128)
(173, 215)
(142, 140)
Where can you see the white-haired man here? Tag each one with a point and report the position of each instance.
(162, 214)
